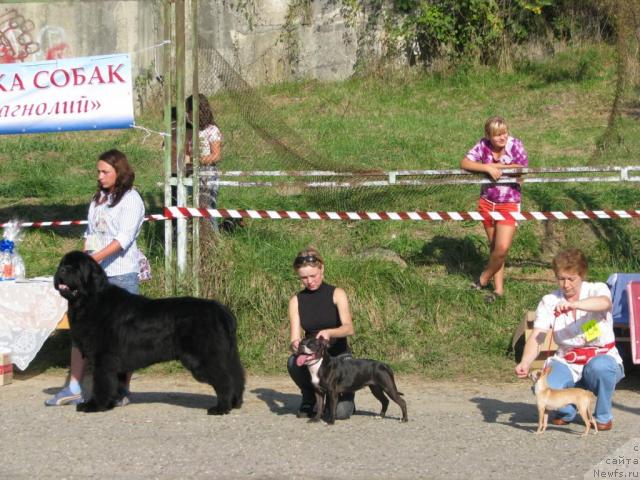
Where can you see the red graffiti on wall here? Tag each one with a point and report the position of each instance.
(16, 43)
(57, 51)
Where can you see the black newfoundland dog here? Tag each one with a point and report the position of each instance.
(119, 332)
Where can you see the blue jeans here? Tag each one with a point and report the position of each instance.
(209, 191)
(600, 376)
(128, 281)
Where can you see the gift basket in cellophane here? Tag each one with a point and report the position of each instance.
(11, 263)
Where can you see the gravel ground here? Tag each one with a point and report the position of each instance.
(455, 430)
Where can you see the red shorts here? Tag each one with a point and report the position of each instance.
(485, 206)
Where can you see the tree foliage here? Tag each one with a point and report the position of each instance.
(455, 33)
(627, 18)
(482, 31)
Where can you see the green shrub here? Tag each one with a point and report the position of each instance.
(570, 66)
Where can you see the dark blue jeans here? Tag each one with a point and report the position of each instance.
(302, 378)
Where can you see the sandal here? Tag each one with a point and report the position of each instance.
(476, 285)
(493, 297)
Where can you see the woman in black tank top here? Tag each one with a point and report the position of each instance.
(320, 310)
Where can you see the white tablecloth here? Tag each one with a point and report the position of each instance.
(29, 312)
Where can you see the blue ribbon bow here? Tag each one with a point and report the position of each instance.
(6, 246)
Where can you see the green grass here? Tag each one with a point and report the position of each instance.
(420, 317)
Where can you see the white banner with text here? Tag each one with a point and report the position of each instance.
(88, 93)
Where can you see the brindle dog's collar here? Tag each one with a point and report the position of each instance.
(312, 364)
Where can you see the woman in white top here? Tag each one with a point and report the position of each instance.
(115, 217)
(579, 315)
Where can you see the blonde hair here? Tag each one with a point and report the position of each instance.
(308, 256)
(494, 125)
(572, 260)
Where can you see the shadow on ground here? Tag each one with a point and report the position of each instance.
(178, 399)
(278, 402)
(519, 415)
(288, 403)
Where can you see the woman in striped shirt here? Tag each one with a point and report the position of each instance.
(115, 217)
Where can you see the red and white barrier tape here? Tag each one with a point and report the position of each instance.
(184, 212)
(66, 223)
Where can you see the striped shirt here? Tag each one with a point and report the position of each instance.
(121, 223)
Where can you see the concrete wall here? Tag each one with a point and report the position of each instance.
(252, 41)
(321, 46)
(42, 31)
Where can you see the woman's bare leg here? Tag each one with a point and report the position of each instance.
(500, 240)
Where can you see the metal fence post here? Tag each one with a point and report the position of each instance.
(167, 79)
(181, 253)
(195, 247)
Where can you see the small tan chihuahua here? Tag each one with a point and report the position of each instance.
(549, 399)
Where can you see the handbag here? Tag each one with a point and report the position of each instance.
(144, 268)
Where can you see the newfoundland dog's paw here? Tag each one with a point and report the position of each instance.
(218, 411)
(90, 407)
(87, 407)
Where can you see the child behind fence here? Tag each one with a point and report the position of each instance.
(210, 151)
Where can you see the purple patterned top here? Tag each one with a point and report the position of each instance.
(515, 153)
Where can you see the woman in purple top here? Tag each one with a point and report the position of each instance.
(494, 153)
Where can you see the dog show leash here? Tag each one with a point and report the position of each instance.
(556, 314)
(578, 355)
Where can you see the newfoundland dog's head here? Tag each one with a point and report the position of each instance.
(79, 275)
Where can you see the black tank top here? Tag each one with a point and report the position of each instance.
(318, 312)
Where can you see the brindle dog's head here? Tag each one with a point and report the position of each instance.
(78, 276)
(310, 349)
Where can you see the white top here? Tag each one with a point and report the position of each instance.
(209, 135)
(567, 330)
(122, 223)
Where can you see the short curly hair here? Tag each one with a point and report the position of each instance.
(571, 260)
